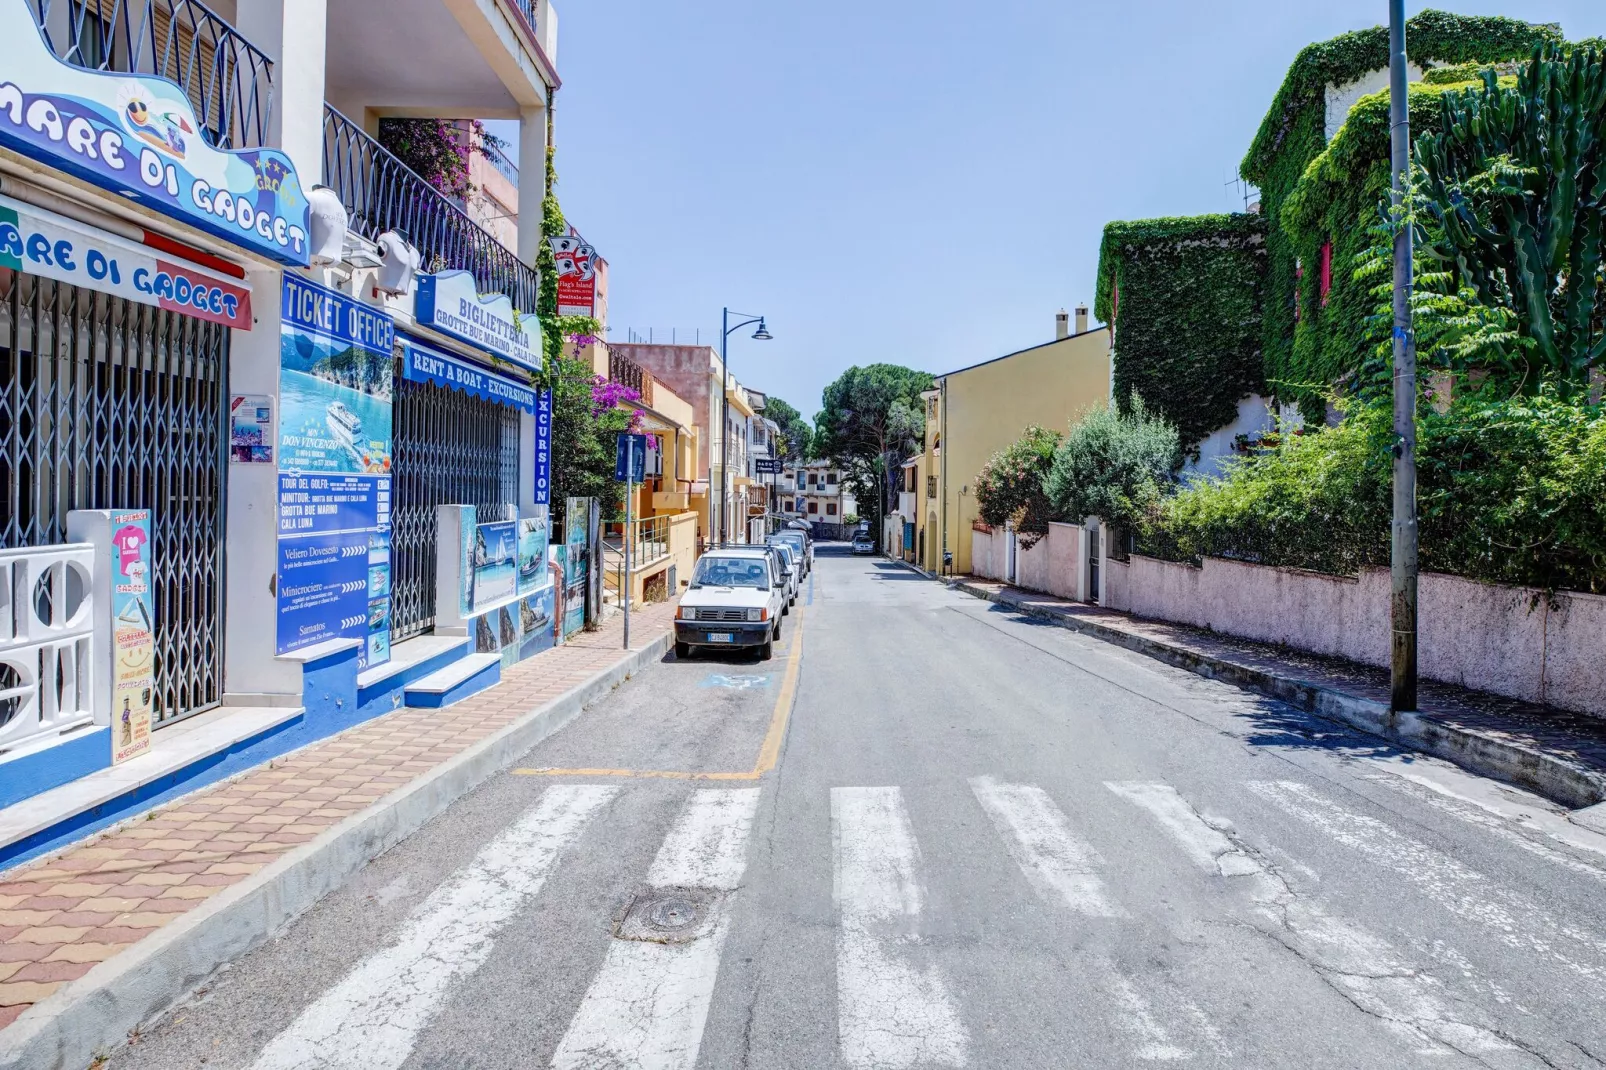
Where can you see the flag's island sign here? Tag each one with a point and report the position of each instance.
(138, 135)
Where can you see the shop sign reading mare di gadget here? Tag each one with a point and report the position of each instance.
(55, 247)
(138, 135)
(335, 381)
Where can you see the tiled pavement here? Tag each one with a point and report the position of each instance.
(62, 915)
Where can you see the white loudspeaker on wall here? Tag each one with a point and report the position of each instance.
(399, 261)
(328, 225)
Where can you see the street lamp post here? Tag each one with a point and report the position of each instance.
(763, 335)
(1403, 559)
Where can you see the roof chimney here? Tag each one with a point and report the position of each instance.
(1062, 325)
(1081, 319)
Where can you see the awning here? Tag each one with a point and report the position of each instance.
(424, 363)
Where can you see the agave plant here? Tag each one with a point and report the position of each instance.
(1516, 181)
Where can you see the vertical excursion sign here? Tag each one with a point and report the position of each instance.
(543, 448)
(335, 374)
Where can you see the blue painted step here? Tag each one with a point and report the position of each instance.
(457, 681)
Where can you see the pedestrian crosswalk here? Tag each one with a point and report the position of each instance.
(896, 1001)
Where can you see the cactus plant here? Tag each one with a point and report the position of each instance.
(1516, 177)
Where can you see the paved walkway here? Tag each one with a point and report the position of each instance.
(62, 915)
(1578, 739)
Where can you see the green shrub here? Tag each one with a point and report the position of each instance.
(1009, 487)
(1113, 465)
(1510, 490)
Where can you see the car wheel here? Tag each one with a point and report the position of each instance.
(787, 608)
(767, 651)
(776, 635)
(683, 651)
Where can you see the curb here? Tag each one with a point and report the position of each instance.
(96, 1013)
(1557, 779)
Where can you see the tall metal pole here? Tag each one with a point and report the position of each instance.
(1403, 570)
(724, 418)
(630, 473)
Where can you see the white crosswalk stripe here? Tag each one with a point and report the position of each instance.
(646, 1008)
(1368, 971)
(371, 1019)
(1059, 866)
(1206, 844)
(892, 1011)
(1508, 916)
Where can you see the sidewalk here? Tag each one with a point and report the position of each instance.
(1557, 754)
(66, 914)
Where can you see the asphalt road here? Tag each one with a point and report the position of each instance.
(986, 842)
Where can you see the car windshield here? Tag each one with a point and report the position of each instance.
(731, 572)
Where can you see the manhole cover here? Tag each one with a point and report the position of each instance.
(668, 915)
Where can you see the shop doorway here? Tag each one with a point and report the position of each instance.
(450, 448)
(108, 404)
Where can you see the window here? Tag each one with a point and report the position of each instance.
(814, 479)
(833, 478)
(910, 474)
(931, 486)
(830, 508)
(814, 507)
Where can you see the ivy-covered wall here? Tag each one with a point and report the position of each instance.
(1293, 134)
(1183, 296)
(1339, 199)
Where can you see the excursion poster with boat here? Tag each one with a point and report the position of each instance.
(335, 374)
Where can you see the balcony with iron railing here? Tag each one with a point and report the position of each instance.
(227, 80)
(381, 193)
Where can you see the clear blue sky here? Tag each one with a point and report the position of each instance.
(919, 183)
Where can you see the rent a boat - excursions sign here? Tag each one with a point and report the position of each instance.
(137, 135)
(452, 304)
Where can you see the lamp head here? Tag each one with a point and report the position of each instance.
(762, 334)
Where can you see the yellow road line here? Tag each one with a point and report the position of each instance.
(768, 754)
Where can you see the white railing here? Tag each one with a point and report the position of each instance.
(47, 625)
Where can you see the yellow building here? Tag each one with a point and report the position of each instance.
(974, 412)
(662, 533)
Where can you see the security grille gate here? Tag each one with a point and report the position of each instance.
(108, 404)
(449, 449)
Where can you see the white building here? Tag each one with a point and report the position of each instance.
(814, 492)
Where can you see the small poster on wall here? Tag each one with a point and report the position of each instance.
(532, 553)
(251, 436)
(133, 634)
(494, 558)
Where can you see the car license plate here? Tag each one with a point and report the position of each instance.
(721, 637)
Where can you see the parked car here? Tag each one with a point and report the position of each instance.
(802, 546)
(735, 599)
(791, 570)
(863, 543)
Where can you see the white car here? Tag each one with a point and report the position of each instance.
(802, 547)
(791, 569)
(735, 599)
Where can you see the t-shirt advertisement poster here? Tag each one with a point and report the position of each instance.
(133, 635)
(335, 372)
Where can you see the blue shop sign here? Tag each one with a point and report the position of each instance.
(543, 448)
(138, 136)
(425, 364)
(452, 304)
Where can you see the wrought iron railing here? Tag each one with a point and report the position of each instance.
(527, 9)
(228, 80)
(508, 169)
(382, 193)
